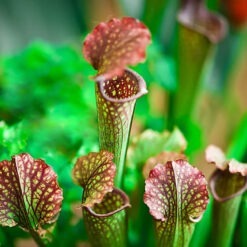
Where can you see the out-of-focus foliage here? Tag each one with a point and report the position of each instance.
(158, 68)
(47, 89)
(48, 109)
(47, 100)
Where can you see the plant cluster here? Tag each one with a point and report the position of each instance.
(142, 192)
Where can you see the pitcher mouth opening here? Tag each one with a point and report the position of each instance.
(194, 15)
(112, 203)
(127, 87)
(213, 185)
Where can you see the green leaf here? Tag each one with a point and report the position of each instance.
(140, 149)
(95, 173)
(115, 44)
(13, 139)
(177, 196)
(31, 70)
(29, 193)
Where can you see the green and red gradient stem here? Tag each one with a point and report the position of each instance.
(36, 237)
(106, 222)
(110, 48)
(177, 196)
(238, 150)
(198, 31)
(228, 189)
(103, 206)
(225, 213)
(115, 103)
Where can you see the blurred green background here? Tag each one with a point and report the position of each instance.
(47, 102)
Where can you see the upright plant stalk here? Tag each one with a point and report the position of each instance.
(110, 48)
(243, 221)
(177, 196)
(237, 149)
(227, 184)
(115, 103)
(222, 232)
(140, 151)
(106, 222)
(238, 146)
(198, 30)
(203, 228)
(36, 237)
(103, 206)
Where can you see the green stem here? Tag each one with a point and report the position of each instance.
(37, 238)
(223, 225)
(203, 228)
(140, 224)
(227, 190)
(179, 236)
(184, 195)
(198, 30)
(238, 146)
(115, 103)
(106, 222)
(243, 221)
(193, 49)
(224, 221)
(237, 149)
